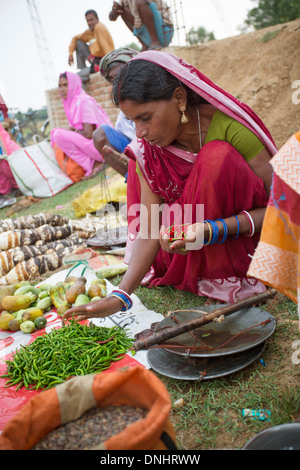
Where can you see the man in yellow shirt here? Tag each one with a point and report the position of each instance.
(91, 46)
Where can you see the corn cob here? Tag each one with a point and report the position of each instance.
(32, 221)
(30, 269)
(9, 258)
(45, 233)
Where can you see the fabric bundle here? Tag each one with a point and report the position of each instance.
(276, 261)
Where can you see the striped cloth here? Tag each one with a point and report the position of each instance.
(276, 261)
(161, 5)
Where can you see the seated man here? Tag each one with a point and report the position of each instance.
(91, 45)
(111, 142)
(149, 20)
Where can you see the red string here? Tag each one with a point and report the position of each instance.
(204, 345)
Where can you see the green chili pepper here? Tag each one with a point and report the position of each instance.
(72, 350)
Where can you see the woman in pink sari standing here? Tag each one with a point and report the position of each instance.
(202, 158)
(84, 115)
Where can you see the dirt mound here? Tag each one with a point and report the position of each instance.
(260, 69)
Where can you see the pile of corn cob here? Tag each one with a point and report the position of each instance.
(34, 245)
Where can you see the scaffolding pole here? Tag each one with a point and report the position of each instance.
(223, 18)
(178, 22)
(48, 69)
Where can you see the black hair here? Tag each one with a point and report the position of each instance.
(92, 12)
(143, 81)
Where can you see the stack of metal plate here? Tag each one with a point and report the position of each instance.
(214, 350)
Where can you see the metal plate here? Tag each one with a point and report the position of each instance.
(238, 332)
(282, 437)
(177, 367)
(114, 237)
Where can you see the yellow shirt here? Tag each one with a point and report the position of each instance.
(99, 41)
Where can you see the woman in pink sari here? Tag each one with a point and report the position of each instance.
(7, 146)
(202, 158)
(84, 115)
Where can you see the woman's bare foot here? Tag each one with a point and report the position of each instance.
(96, 168)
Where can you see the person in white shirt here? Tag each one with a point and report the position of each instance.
(111, 142)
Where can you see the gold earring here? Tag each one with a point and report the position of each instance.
(183, 119)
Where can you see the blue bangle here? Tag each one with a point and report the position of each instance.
(238, 228)
(225, 231)
(215, 229)
(126, 301)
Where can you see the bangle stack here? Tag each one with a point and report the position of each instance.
(252, 226)
(214, 229)
(214, 232)
(124, 297)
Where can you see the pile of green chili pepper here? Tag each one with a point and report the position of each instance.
(72, 350)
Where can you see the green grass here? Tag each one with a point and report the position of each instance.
(63, 199)
(271, 35)
(211, 417)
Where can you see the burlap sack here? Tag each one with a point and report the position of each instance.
(133, 386)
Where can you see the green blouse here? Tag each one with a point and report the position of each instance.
(223, 127)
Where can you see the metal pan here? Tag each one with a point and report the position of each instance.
(113, 237)
(281, 437)
(177, 367)
(238, 332)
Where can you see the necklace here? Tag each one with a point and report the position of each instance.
(199, 128)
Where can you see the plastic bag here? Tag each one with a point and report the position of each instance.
(95, 198)
(37, 172)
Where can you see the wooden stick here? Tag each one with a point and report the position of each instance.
(157, 338)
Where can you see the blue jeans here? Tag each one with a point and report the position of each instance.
(115, 138)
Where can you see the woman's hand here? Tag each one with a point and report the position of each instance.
(96, 309)
(181, 239)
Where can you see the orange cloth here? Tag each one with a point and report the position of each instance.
(68, 166)
(104, 42)
(276, 261)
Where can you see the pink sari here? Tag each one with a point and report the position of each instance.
(219, 178)
(7, 180)
(80, 108)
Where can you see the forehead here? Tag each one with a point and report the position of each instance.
(63, 81)
(134, 110)
(90, 17)
(113, 69)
